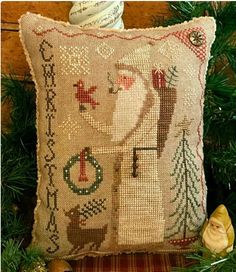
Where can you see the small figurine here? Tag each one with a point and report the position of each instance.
(218, 232)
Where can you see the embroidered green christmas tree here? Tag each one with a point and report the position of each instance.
(185, 172)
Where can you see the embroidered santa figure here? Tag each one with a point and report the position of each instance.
(140, 125)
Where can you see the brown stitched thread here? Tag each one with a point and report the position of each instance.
(42, 50)
(78, 236)
(52, 193)
(52, 196)
(168, 97)
(115, 199)
(50, 173)
(49, 99)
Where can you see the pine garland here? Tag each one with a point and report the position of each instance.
(208, 262)
(19, 174)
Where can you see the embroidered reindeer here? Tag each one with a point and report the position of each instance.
(78, 236)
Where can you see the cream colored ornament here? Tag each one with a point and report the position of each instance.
(58, 265)
(104, 14)
(218, 232)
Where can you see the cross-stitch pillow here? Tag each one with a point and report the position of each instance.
(119, 124)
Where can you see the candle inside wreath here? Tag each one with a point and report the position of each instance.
(82, 169)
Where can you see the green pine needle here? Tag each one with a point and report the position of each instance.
(30, 256)
(14, 257)
(11, 256)
(18, 157)
(21, 96)
(206, 261)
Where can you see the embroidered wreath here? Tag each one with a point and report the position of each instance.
(98, 169)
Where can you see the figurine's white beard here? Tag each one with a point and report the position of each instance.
(215, 241)
(129, 104)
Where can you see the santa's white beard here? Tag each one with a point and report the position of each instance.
(215, 241)
(129, 104)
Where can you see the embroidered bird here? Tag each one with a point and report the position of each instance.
(84, 97)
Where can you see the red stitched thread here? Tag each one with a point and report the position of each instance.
(158, 79)
(200, 51)
(82, 176)
(199, 135)
(183, 243)
(85, 96)
(99, 37)
(125, 81)
(181, 35)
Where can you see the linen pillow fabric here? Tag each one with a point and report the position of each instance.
(119, 125)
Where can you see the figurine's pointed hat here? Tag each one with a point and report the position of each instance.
(221, 214)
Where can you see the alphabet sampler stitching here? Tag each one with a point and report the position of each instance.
(45, 49)
(116, 184)
(134, 77)
(185, 36)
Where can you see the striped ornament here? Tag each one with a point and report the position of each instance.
(104, 14)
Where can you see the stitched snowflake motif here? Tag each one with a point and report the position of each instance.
(39, 29)
(70, 127)
(104, 50)
(74, 60)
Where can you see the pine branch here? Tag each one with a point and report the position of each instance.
(19, 142)
(223, 164)
(12, 225)
(230, 203)
(14, 258)
(206, 261)
(23, 113)
(31, 256)
(11, 256)
(184, 11)
(19, 172)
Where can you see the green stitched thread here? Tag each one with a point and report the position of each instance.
(172, 77)
(185, 173)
